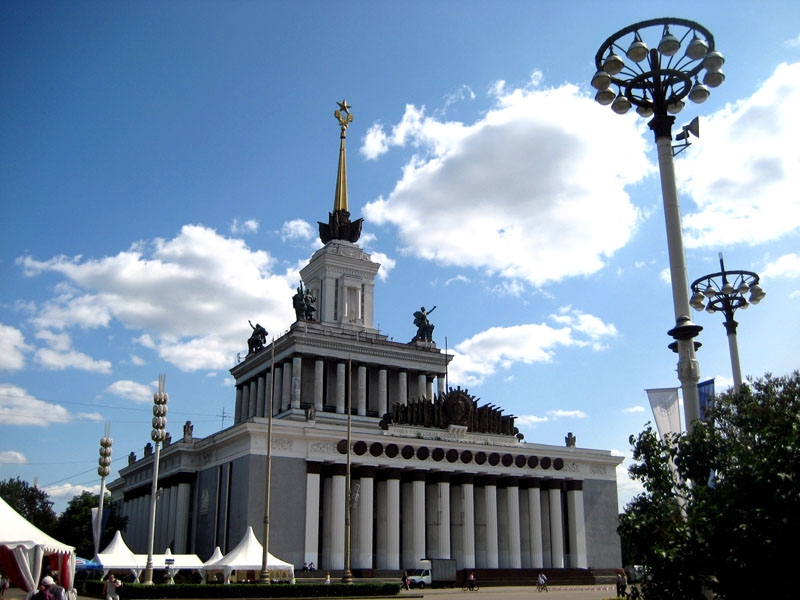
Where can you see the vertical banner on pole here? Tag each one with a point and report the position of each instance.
(664, 402)
(705, 393)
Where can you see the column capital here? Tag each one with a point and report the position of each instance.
(365, 471)
(390, 473)
(486, 480)
(574, 485)
(441, 477)
(552, 484)
(313, 468)
(508, 481)
(463, 478)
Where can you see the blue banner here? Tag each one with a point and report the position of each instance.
(705, 393)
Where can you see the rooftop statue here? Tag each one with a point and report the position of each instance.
(304, 302)
(424, 326)
(257, 340)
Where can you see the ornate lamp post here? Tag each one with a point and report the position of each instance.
(103, 470)
(656, 80)
(725, 292)
(158, 435)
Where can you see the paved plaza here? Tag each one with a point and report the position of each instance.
(582, 592)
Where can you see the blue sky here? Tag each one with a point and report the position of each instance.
(163, 166)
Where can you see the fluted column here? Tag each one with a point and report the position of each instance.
(429, 394)
(556, 524)
(297, 378)
(388, 521)
(277, 389)
(422, 385)
(340, 387)
(535, 522)
(364, 519)
(361, 396)
(402, 387)
(338, 501)
(514, 550)
(468, 490)
(261, 396)
(286, 391)
(245, 402)
(441, 385)
(319, 382)
(577, 525)
(251, 409)
(492, 550)
(311, 544)
(237, 409)
(382, 393)
(182, 503)
(418, 495)
(443, 506)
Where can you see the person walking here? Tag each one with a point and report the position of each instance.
(541, 583)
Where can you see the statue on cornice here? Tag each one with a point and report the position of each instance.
(257, 340)
(304, 302)
(424, 326)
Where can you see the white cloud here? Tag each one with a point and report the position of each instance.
(387, 264)
(18, 407)
(744, 173)
(567, 414)
(787, 265)
(12, 348)
(131, 390)
(500, 348)
(793, 42)
(185, 298)
(11, 457)
(59, 355)
(244, 227)
(634, 409)
(529, 420)
(297, 229)
(529, 180)
(67, 491)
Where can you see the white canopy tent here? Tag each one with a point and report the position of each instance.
(23, 548)
(248, 555)
(117, 556)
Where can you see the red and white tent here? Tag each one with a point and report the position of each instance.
(23, 547)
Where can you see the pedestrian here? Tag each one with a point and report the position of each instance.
(327, 578)
(405, 580)
(4, 585)
(110, 588)
(541, 583)
(44, 592)
(622, 583)
(58, 592)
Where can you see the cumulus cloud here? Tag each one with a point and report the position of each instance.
(244, 227)
(184, 297)
(529, 180)
(67, 491)
(18, 407)
(787, 265)
(297, 229)
(745, 172)
(12, 348)
(11, 457)
(634, 409)
(500, 348)
(567, 414)
(130, 390)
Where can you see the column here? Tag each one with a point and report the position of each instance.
(311, 544)
(383, 407)
(338, 499)
(363, 521)
(577, 525)
(492, 550)
(429, 389)
(443, 506)
(422, 386)
(402, 387)
(468, 490)
(418, 503)
(183, 503)
(245, 402)
(535, 521)
(361, 391)
(340, 387)
(387, 532)
(514, 550)
(277, 386)
(251, 408)
(408, 559)
(319, 382)
(261, 396)
(297, 374)
(441, 385)
(286, 389)
(237, 410)
(556, 525)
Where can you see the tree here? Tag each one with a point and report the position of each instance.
(30, 502)
(75, 523)
(723, 516)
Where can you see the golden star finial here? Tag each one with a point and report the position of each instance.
(343, 105)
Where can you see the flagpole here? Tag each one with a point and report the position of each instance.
(265, 579)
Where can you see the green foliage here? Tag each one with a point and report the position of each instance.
(723, 515)
(75, 523)
(30, 502)
(248, 590)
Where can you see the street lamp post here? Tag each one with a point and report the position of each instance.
(158, 435)
(725, 292)
(103, 470)
(656, 80)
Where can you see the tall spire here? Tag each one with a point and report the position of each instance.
(345, 118)
(339, 226)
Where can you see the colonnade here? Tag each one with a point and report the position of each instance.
(172, 524)
(319, 382)
(482, 521)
